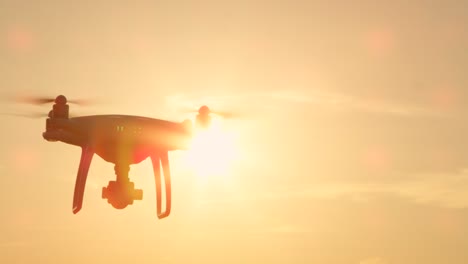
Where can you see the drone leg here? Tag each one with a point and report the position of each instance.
(86, 157)
(158, 160)
(157, 177)
(167, 182)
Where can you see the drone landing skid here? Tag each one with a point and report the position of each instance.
(159, 160)
(162, 160)
(86, 156)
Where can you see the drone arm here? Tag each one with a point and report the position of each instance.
(86, 157)
(158, 160)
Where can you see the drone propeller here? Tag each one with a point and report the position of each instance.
(205, 111)
(225, 114)
(36, 100)
(204, 116)
(31, 115)
(41, 100)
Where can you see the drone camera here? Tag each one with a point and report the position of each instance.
(120, 195)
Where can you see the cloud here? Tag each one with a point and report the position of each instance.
(445, 190)
(442, 190)
(341, 101)
(327, 100)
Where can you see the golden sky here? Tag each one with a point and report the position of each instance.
(354, 151)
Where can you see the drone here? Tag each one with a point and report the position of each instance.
(123, 140)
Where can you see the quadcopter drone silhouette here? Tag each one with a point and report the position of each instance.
(123, 140)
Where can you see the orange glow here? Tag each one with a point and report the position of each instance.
(338, 131)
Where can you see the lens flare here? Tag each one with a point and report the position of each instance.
(212, 151)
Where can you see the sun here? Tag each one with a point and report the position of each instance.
(212, 151)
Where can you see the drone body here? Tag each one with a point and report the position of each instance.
(122, 140)
(110, 135)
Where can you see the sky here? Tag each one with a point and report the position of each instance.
(350, 148)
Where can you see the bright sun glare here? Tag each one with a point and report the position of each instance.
(212, 151)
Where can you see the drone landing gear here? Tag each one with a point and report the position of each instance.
(122, 192)
(86, 156)
(158, 160)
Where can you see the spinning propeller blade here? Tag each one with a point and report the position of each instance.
(31, 115)
(45, 100)
(35, 100)
(205, 110)
(225, 114)
(41, 100)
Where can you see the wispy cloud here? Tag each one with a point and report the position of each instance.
(327, 100)
(450, 191)
(341, 101)
(443, 190)
(447, 190)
